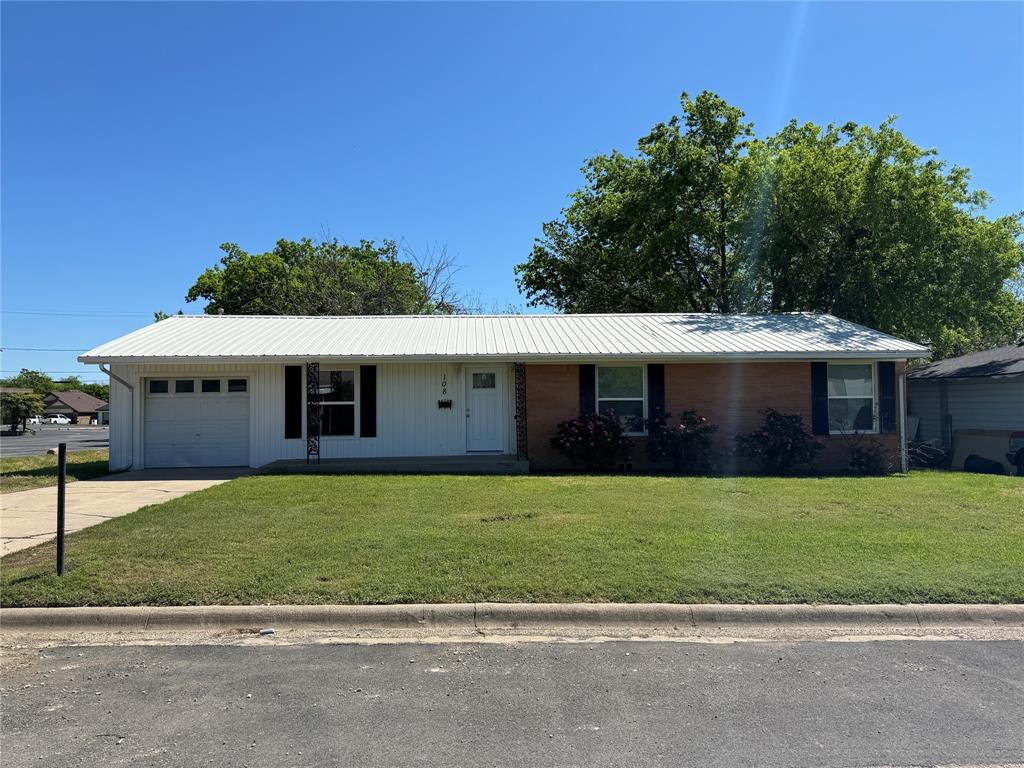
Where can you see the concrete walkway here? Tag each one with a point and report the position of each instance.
(29, 517)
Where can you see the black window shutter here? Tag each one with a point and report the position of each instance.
(655, 389)
(819, 398)
(368, 401)
(887, 395)
(588, 384)
(293, 402)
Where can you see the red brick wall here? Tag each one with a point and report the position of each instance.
(731, 395)
(552, 396)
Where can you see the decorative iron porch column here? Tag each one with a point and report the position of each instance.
(312, 411)
(520, 377)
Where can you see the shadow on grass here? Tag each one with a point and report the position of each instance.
(79, 471)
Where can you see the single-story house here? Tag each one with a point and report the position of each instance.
(79, 406)
(972, 403)
(221, 390)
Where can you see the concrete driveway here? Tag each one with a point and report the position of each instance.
(30, 517)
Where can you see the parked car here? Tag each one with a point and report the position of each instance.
(34, 420)
(58, 418)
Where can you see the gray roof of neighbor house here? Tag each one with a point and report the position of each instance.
(198, 338)
(76, 400)
(1001, 361)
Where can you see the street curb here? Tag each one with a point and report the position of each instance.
(496, 616)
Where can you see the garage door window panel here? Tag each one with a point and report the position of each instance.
(336, 394)
(158, 387)
(184, 386)
(211, 386)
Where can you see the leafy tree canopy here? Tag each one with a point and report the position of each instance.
(17, 407)
(326, 278)
(42, 383)
(850, 220)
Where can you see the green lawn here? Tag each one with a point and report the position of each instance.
(928, 537)
(19, 473)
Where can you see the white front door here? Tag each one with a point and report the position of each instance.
(485, 409)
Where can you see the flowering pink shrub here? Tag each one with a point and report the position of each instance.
(596, 441)
(781, 444)
(687, 444)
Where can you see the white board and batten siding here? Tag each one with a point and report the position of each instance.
(409, 421)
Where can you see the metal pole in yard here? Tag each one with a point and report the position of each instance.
(62, 473)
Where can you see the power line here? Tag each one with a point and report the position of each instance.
(48, 370)
(38, 349)
(73, 314)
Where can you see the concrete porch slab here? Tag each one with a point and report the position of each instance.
(469, 464)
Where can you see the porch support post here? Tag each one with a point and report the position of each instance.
(520, 377)
(904, 459)
(312, 411)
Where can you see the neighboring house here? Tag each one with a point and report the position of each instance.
(15, 390)
(78, 406)
(976, 400)
(103, 414)
(232, 390)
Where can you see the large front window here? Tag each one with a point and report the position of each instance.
(620, 389)
(336, 393)
(851, 398)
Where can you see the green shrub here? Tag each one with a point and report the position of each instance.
(687, 444)
(868, 457)
(596, 441)
(781, 445)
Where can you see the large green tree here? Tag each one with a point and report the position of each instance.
(850, 220)
(17, 407)
(326, 278)
(42, 383)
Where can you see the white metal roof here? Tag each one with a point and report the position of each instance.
(199, 338)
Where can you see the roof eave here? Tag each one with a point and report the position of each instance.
(903, 354)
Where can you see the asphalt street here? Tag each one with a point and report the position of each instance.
(48, 435)
(821, 704)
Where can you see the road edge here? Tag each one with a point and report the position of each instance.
(496, 616)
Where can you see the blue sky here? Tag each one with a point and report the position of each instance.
(138, 137)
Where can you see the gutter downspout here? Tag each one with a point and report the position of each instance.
(131, 390)
(903, 422)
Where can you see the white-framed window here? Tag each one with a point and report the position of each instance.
(622, 389)
(336, 393)
(852, 398)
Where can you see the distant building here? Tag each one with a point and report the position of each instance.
(80, 407)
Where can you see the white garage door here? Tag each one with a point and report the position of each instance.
(197, 422)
